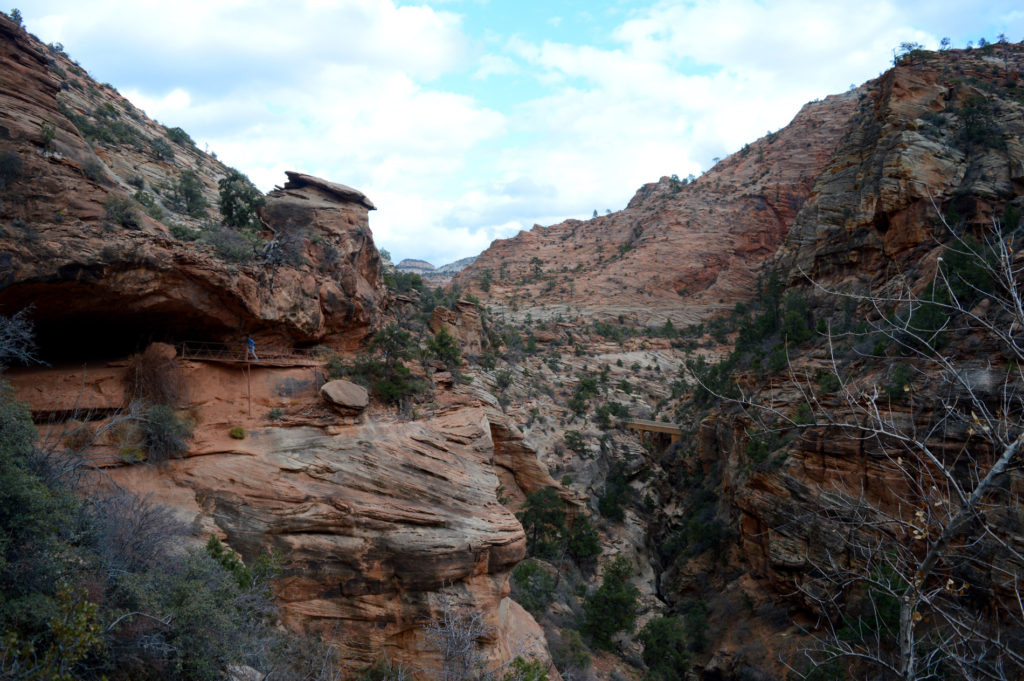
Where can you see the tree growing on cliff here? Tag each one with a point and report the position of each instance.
(612, 608)
(444, 347)
(543, 519)
(919, 577)
(188, 194)
(240, 201)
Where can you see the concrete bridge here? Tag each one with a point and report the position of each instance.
(659, 428)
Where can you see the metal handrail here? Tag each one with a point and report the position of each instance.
(238, 352)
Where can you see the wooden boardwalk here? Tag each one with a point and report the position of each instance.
(236, 353)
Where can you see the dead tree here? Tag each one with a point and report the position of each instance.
(924, 578)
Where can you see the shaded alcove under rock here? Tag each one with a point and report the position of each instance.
(77, 322)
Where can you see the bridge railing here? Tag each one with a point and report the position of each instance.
(238, 352)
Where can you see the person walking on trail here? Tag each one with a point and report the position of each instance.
(251, 349)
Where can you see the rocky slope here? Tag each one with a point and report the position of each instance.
(680, 250)
(379, 516)
(942, 134)
(91, 188)
(736, 521)
(376, 518)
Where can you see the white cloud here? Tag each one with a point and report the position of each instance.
(496, 65)
(463, 135)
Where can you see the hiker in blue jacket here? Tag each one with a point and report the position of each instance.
(251, 349)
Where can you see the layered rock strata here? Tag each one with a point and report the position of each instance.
(680, 250)
(89, 191)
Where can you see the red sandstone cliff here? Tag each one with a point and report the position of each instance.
(86, 237)
(375, 516)
(677, 251)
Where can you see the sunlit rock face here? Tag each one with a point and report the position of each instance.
(375, 518)
(116, 283)
(677, 251)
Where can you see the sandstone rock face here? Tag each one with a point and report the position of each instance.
(677, 251)
(463, 323)
(113, 278)
(345, 396)
(375, 521)
(941, 134)
(947, 126)
(923, 142)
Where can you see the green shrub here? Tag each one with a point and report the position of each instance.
(696, 626)
(94, 170)
(122, 211)
(188, 192)
(230, 245)
(612, 608)
(568, 651)
(503, 379)
(390, 385)
(206, 611)
(828, 382)
(543, 519)
(403, 282)
(575, 442)
(899, 382)
(240, 201)
(264, 568)
(179, 136)
(165, 434)
(275, 414)
(665, 653)
(616, 493)
(444, 347)
(183, 232)
(237, 433)
(532, 587)
(397, 385)
(522, 669)
(582, 541)
(162, 151)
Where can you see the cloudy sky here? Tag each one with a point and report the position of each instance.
(468, 120)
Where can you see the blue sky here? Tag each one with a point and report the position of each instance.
(468, 120)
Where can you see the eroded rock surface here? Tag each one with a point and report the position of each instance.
(374, 521)
(86, 236)
(345, 396)
(677, 251)
(463, 323)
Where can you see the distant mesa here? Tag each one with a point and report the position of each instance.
(436, 276)
(416, 266)
(453, 268)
